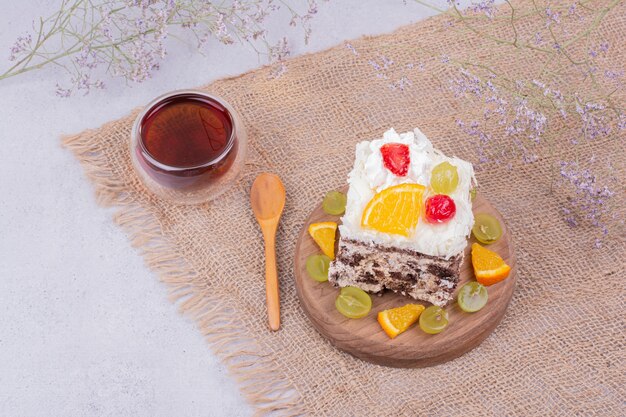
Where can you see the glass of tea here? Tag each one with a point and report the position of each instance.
(188, 146)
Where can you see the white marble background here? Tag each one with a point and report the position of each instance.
(85, 328)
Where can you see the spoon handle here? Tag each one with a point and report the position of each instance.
(271, 282)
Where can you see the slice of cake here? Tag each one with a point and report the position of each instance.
(407, 219)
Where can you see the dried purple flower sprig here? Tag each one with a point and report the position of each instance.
(385, 69)
(592, 201)
(91, 39)
(510, 125)
(520, 118)
(516, 124)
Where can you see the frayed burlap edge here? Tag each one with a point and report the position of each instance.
(258, 377)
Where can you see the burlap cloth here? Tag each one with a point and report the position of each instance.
(559, 349)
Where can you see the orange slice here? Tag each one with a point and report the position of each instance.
(394, 210)
(397, 320)
(324, 235)
(489, 267)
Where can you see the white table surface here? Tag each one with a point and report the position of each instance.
(85, 328)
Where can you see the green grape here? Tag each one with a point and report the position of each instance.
(334, 203)
(353, 302)
(317, 267)
(433, 320)
(486, 228)
(472, 297)
(444, 178)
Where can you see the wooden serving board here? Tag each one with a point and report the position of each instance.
(365, 339)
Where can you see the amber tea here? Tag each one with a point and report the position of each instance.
(186, 140)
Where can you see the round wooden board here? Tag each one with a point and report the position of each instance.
(364, 337)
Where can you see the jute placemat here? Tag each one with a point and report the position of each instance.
(560, 348)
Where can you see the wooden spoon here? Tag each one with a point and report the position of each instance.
(267, 198)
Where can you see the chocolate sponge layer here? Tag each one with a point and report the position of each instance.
(374, 268)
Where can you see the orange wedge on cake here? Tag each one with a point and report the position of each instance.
(394, 210)
(489, 267)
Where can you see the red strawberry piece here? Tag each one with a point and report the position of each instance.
(396, 158)
(440, 208)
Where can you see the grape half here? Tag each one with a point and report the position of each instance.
(334, 203)
(445, 178)
(353, 302)
(317, 267)
(472, 297)
(433, 320)
(486, 228)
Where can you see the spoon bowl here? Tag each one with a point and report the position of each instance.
(267, 197)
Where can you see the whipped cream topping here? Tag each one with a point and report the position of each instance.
(369, 176)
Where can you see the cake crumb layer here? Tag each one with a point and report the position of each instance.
(374, 268)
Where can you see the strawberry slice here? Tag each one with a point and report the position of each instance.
(396, 158)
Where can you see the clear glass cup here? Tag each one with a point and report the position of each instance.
(169, 152)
